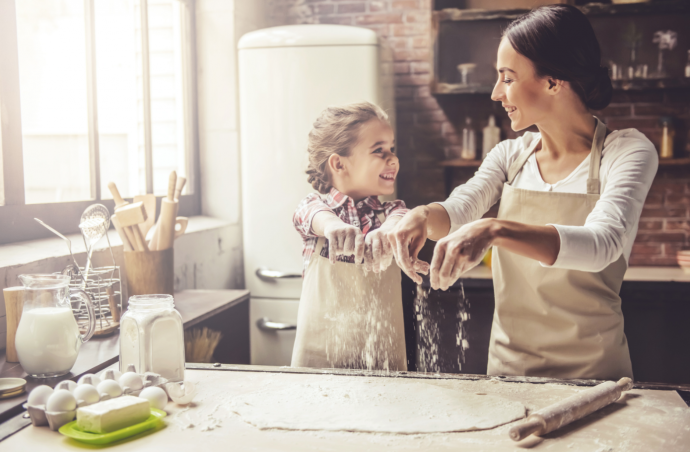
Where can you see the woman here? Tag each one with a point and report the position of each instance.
(571, 197)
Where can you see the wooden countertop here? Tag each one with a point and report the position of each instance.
(641, 419)
(194, 306)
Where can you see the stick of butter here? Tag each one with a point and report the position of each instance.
(113, 414)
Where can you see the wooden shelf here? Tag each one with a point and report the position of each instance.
(618, 85)
(650, 83)
(591, 9)
(457, 88)
(675, 162)
(460, 163)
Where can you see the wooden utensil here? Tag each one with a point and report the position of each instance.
(182, 222)
(14, 303)
(179, 186)
(132, 215)
(165, 229)
(149, 201)
(112, 303)
(569, 410)
(121, 231)
(119, 202)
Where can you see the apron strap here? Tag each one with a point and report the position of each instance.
(520, 162)
(593, 185)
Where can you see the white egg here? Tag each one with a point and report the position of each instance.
(67, 384)
(61, 400)
(40, 395)
(131, 380)
(156, 396)
(86, 393)
(110, 387)
(94, 380)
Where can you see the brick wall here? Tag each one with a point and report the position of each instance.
(665, 223)
(426, 130)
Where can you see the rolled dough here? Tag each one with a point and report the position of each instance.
(380, 405)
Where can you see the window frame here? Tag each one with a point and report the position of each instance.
(16, 217)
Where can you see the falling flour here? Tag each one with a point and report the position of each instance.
(364, 335)
(429, 334)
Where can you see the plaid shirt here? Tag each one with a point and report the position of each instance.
(363, 214)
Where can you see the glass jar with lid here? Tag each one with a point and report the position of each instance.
(152, 337)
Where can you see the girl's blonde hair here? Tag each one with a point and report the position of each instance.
(336, 131)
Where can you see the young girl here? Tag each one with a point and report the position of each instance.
(350, 313)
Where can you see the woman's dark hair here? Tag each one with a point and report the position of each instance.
(560, 42)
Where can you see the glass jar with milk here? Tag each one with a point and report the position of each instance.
(48, 338)
(152, 337)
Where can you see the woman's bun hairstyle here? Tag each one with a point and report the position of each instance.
(560, 42)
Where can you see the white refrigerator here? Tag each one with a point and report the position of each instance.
(287, 76)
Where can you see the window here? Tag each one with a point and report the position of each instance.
(104, 92)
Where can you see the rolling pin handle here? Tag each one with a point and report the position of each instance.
(625, 383)
(533, 424)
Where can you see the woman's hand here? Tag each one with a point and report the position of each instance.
(461, 251)
(343, 239)
(407, 238)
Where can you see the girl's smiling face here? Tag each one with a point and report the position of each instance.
(526, 97)
(371, 167)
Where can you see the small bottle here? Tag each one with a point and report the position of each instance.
(668, 133)
(492, 136)
(469, 141)
(687, 66)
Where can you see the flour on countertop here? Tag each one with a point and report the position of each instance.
(397, 406)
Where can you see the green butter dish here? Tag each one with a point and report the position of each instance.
(72, 431)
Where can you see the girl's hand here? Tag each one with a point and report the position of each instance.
(378, 252)
(343, 239)
(407, 238)
(460, 251)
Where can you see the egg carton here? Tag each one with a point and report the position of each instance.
(40, 416)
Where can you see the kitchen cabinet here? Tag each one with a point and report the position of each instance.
(656, 316)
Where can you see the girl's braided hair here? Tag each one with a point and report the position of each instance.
(336, 131)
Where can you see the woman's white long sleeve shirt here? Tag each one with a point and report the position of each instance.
(628, 165)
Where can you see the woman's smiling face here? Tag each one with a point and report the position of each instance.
(523, 94)
(372, 164)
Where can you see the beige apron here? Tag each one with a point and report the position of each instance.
(348, 318)
(552, 322)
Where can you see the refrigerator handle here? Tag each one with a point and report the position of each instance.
(272, 275)
(265, 324)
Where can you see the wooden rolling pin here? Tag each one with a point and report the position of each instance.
(569, 410)
(14, 303)
(164, 234)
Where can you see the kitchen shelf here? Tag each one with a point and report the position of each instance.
(590, 9)
(618, 85)
(675, 162)
(450, 165)
(460, 163)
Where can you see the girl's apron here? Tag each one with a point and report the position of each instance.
(552, 322)
(348, 318)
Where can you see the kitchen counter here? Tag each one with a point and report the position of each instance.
(195, 307)
(657, 274)
(643, 419)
